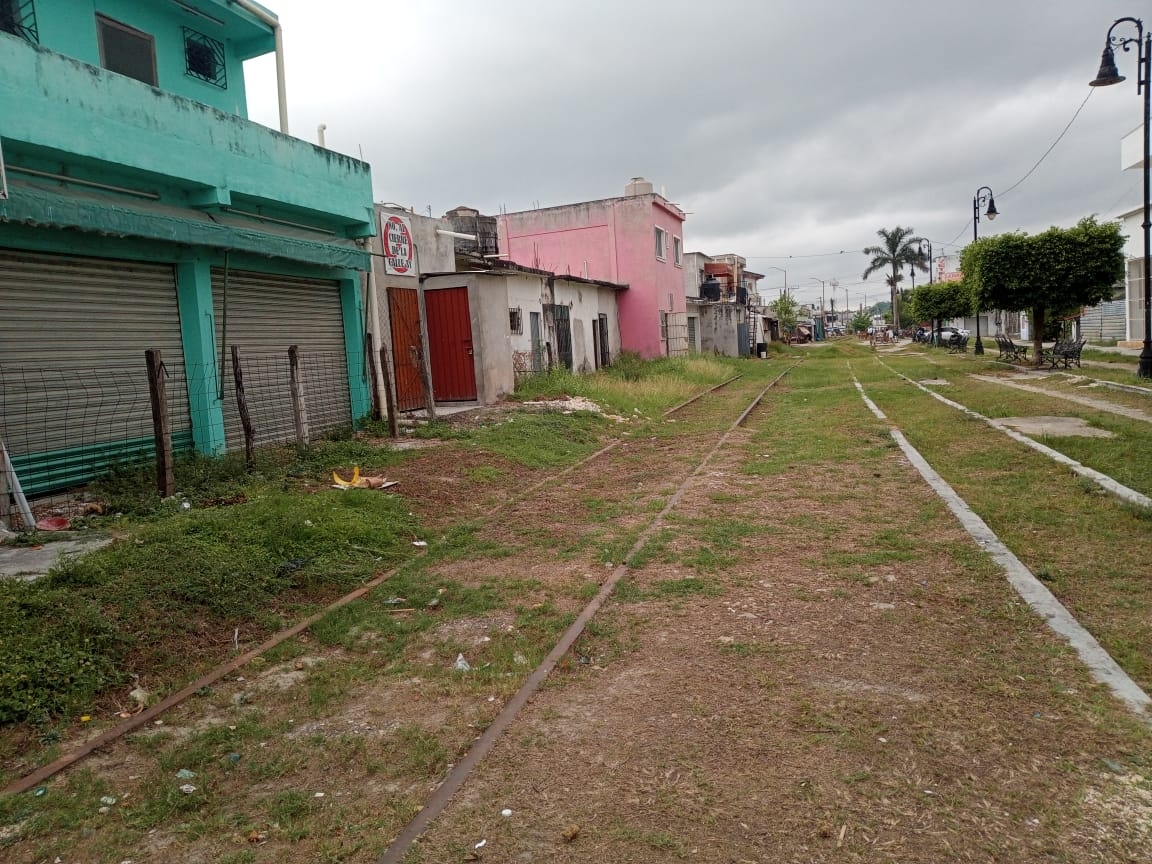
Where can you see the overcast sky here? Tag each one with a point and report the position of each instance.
(786, 128)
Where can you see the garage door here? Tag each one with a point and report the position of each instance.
(263, 315)
(73, 381)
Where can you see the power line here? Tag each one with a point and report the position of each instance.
(1051, 147)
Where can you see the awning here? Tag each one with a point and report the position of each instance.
(152, 220)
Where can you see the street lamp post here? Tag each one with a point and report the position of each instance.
(920, 252)
(1109, 74)
(978, 200)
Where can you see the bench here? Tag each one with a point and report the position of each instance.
(1063, 354)
(958, 345)
(1010, 351)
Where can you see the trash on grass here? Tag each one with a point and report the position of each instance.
(461, 664)
(419, 542)
(185, 774)
(365, 482)
(187, 788)
(53, 523)
(505, 812)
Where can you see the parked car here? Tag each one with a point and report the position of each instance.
(947, 333)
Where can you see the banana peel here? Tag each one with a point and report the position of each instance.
(358, 482)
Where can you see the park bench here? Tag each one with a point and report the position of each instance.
(1010, 351)
(958, 344)
(1063, 354)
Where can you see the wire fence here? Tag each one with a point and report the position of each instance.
(64, 426)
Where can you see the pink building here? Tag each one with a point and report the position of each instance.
(636, 240)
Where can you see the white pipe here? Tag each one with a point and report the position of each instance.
(320, 133)
(457, 234)
(278, 35)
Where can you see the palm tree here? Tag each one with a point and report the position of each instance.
(900, 247)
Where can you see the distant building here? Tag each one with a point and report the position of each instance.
(635, 239)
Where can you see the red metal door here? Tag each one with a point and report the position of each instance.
(404, 312)
(450, 345)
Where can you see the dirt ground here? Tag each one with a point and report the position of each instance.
(761, 687)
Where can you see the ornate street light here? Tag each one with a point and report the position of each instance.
(1107, 75)
(979, 200)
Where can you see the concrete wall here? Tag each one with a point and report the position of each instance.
(693, 272)
(716, 327)
(613, 240)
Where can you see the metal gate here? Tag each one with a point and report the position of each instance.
(263, 314)
(562, 326)
(677, 326)
(450, 345)
(404, 315)
(73, 381)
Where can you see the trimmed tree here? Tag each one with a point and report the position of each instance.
(898, 248)
(941, 300)
(787, 312)
(1053, 273)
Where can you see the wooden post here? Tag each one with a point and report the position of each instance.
(161, 427)
(14, 489)
(242, 406)
(299, 408)
(390, 398)
(426, 378)
(5, 494)
(373, 389)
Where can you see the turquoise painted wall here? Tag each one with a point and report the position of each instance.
(69, 27)
(163, 138)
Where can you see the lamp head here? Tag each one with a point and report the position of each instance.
(1108, 73)
(991, 212)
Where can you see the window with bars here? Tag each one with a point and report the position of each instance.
(18, 17)
(516, 321)
(204, 58)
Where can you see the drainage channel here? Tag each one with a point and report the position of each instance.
(1100, 664)
(1124, 493)
(438, 801)
(150, 714)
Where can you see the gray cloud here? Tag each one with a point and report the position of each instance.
(785, 128)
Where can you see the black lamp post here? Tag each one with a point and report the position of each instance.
(920, 252)
(1109, 74)
(978, 200)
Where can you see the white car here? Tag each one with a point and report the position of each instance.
(947, 333)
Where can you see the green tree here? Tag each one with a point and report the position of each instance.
(940, 300)
(1049, 274)
(899, 248)
(861, 321)
(787, 312)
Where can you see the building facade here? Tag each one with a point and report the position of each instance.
(143, 210)
(636, 239)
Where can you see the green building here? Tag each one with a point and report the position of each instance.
(141, 209)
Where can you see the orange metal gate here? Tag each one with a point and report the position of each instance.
(450, 344)
(404, 312)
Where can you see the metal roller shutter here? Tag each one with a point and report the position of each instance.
(73, 380)
(265, 315)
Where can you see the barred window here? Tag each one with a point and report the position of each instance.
(515, 321)
(18, 17)
(204, 58)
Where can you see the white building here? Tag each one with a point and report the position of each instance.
(1132, 157)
